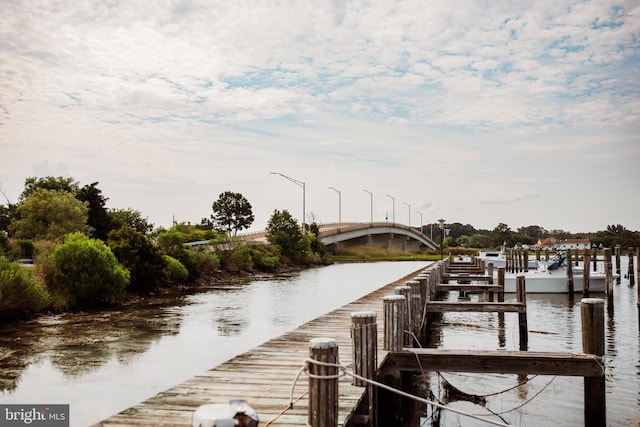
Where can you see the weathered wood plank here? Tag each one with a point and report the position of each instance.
(504, 362)
(473, 306)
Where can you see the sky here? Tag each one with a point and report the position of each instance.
(478, 112)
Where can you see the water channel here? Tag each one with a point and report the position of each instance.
(101, 363)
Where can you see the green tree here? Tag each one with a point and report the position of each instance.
(283, 231)
(502, 234)
(33, 184)
(87, 272)
(143, 259)
(49, 214)
(98, 217)
(232, 212)
(130, 217)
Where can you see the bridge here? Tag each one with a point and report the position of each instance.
(389, 235)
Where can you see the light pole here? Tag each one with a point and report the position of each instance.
(393, 200)
(441, 222)
(420, 213)
(300, 184)
(339, 204)
(371, 196)
(409, 206)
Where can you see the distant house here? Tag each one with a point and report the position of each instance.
(552, 243)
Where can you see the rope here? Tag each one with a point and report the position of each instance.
(388, 388)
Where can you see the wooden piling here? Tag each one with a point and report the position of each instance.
(593, 342)
(585, 272)
(569, 272)
(608, 273)
(323, 383)
(364, 339)
(521, 295)
(416, 309)
(405, 291)
(617, 254)
(395, 307)
(525, 260)
(501, 284)
(630, 270)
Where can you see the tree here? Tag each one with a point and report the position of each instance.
(32, 184)
(98, 216)
(283, 231)
(130, 217)
(502, 234)
(49, 214)
(232, 212)
(144, 260)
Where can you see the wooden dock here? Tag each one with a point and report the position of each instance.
(264, 375)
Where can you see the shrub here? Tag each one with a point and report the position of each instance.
(235, 258)
(19, 293)
(141, 257)
(206, 262)
(86, 272)
(21, 249)
(265, 257)
(176, 272)
(4, 243)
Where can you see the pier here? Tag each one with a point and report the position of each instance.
(337, 370)
(264, 375)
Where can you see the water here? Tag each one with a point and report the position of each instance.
(103, 362)
(554, 325)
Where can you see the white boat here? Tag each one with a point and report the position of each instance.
(499, 259)
(550, 277)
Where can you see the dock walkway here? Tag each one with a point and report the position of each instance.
(264, 375)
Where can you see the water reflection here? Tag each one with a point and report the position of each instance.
(81, 342)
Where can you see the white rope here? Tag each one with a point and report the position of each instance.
(386, 387)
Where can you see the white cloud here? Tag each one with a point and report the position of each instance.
(434, 102)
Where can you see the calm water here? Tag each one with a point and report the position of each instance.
(554, 325)
(102, 363)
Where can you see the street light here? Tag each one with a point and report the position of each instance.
(300, 184)
(441, 222)
(371, 196)
(405, 203)
(420, 213)
(393, 217)
(339, 204)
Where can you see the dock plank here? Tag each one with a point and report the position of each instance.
(264, 375)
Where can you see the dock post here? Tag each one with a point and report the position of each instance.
(585, 272)
(592, 313)
(617, 254)
(569, 272)
(631, 272)
(521, 295)
(364, 342)
(395, 307)
(323, 383)
(416, 309)
(364, 339)
(608, 274)
(501, 284)
(405, 291)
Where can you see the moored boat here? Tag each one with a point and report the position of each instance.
(551, 277)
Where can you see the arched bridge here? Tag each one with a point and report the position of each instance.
(390, 235)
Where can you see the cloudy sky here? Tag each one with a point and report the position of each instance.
(479, 112)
